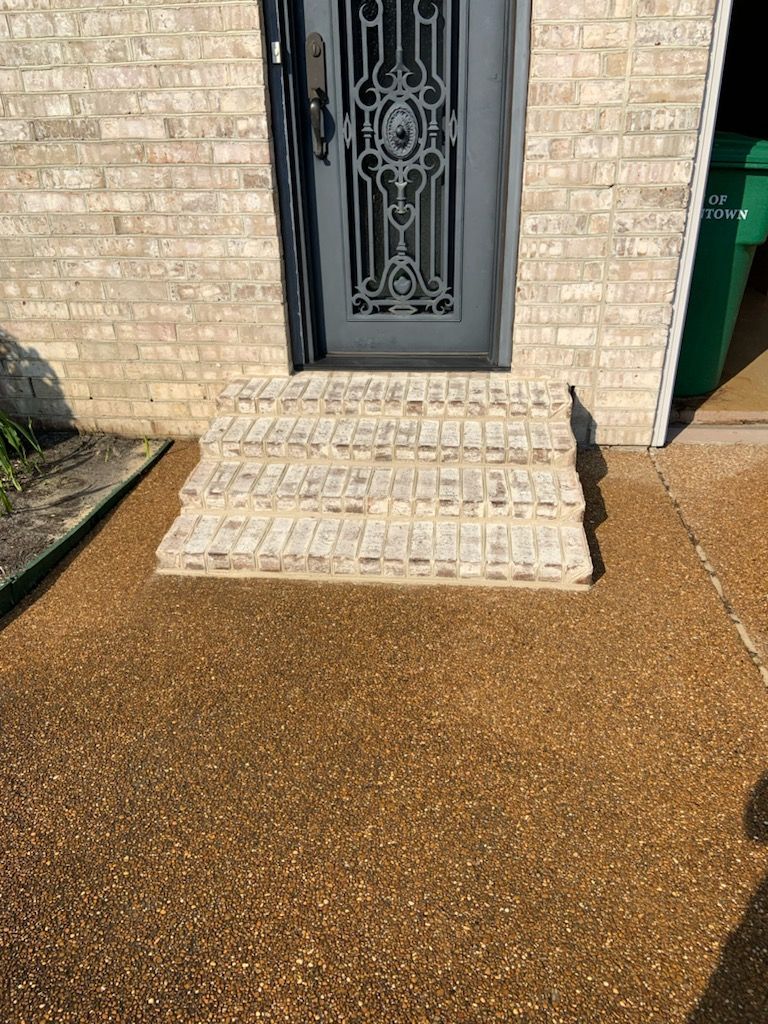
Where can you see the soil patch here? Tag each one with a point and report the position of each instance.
(77, 472)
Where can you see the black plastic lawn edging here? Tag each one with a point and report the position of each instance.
(17, 587)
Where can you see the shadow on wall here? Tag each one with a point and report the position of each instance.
(737, 992)
(582, 423)
(29, 386)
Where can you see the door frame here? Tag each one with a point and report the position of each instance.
(719, 46)
(294, 226)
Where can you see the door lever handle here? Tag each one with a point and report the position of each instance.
(318, 95)
(317, 120)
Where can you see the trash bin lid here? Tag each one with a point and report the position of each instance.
(732, 150)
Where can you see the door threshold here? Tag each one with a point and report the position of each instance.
(373, 364)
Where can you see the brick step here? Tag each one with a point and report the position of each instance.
(391, 440)
(416, 477)
(451, 395)
(373, 548)
(479, 492)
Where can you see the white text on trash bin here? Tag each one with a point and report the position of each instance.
(716, 209)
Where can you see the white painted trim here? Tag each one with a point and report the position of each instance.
(698, 187)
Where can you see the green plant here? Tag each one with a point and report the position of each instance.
(14, 440)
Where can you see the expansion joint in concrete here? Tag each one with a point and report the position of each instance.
(747, 642)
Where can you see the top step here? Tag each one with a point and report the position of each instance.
(451, 395)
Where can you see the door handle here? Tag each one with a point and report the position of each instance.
(317, 120)
(318, 94)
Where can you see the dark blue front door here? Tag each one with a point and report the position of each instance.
(404, 130)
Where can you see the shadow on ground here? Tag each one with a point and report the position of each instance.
(592, 469)
(738, 990)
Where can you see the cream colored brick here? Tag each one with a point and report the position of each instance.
(657, 145)
(548, 121)
(624, 398)
(570, 10)
(241, 152)
(542, 94)
(666, 89)
(675, 8)
(599, 147)
(569, 173)
(555, 37)
(623, 436)
(605, 35)
(651, 314)
(643, 270)
(565, 65)
(118, 202)
(640, 291)
(613, 63)
(541, 359)
(602, 91)
(126, 88)
(651, 197)
(588, 200)
(635, 335)
(627, 378)
(647, 245)
(611, 125)
(132, 128)
(609, 119)
(628, 418)
(633, 127)
(662, 119)
(186, 19)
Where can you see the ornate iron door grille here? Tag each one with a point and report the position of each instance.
(403, 84)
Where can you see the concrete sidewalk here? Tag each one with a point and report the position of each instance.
(290, 802)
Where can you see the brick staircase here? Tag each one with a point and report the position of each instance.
(420, 478)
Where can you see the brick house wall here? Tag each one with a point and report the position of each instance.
(141, 262)
(615, 97)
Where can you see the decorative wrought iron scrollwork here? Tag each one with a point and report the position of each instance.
(402, 125)
(400, 132)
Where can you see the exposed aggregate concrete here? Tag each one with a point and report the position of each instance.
(251, 800)
(723, 494)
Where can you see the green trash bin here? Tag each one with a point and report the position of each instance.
(734, 221)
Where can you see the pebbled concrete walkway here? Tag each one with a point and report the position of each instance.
(261, 800)
(723, 494)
